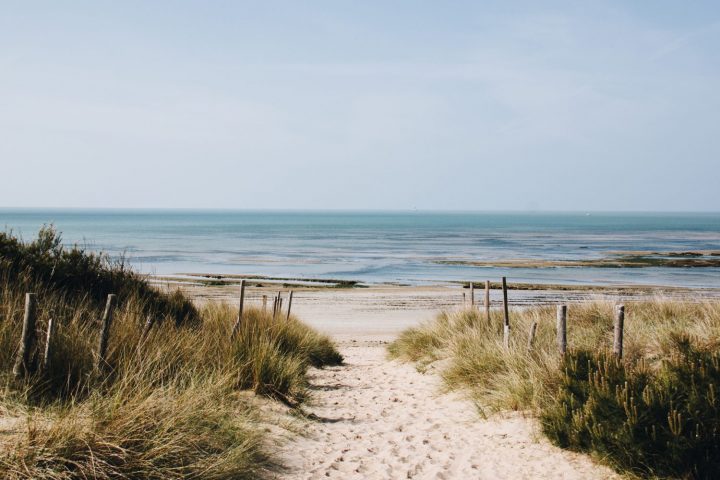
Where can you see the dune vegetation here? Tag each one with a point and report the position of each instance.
(653, 413)
(169, 401)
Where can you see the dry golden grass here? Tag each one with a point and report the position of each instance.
(520, 379)
(166, 406)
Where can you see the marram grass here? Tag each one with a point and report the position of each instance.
(166, 406)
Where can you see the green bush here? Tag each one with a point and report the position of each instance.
(653, 422)
(79, 273)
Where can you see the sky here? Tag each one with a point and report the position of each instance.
(388, 104)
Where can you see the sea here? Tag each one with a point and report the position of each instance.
(408, 247)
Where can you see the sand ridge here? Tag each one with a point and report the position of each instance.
(373, 418)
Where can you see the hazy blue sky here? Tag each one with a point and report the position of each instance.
(383, 104)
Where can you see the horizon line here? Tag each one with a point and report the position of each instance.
(343, 210)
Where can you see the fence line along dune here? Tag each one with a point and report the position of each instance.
(651, 411)
(149, 387)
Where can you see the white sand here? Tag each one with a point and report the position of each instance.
(380, 419)
(381, 312)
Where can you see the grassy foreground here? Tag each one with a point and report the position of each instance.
(655, 413)
(167, 405)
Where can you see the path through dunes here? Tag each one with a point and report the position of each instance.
(380, 419)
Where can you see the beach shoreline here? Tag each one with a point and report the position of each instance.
(379, 312)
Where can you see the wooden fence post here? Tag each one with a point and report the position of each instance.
(242, 299)
(275, 304)
(240, 309)
(146, 329)
(531, 337)
(464, 301)
(506, 312)
(105, 330)
(264, 303)
(22, 363)
(289, 304)
(487, 300)
(619, 325)
(472, 295)
(48, 345)
(562, 328)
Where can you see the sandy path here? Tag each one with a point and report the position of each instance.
(380, 419)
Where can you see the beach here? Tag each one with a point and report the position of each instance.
(376, 418)
(360, 240)
(362, 281)
(380, 312)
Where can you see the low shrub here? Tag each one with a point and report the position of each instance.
(653, 422)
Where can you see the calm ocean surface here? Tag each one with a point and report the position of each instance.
(383, 247)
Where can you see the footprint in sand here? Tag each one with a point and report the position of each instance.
(395, 425)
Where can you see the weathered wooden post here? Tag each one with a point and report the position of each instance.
(264, 303)
(105, 331)
(242, 299)
(289, 304)
(506, 312)
(487, 300)
(240, 309)
(619, 325)
(22, 363)
(275, 304)
(464, 301)
(531, 337)
(146, 329)
(472, 295)
(562, 328)
(48, 345)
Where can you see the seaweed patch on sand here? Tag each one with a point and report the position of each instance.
(623, 259)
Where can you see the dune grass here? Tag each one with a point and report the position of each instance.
(81, 273)
(625, 412)
(170, 405)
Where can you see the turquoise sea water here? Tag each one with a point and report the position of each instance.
(399, 247)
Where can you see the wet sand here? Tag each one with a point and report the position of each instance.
(381, 312)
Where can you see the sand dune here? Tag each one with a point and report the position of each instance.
(380, 419)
